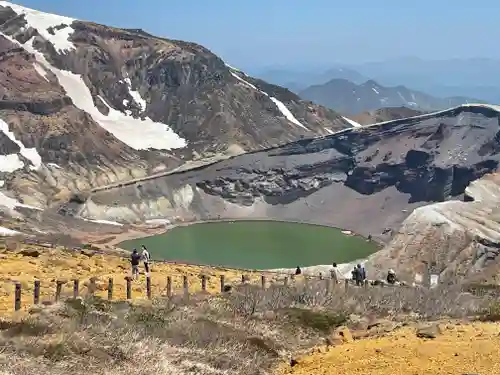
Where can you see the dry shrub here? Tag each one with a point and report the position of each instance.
(491, 313)
(244, 332)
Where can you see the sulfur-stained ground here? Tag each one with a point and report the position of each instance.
(53, 265)
(460, 349)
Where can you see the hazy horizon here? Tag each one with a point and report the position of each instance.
(315, 33)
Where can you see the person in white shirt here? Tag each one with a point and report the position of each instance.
(336, 275)
(145, 258)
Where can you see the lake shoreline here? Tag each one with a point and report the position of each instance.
(163, 229)
(168, 227)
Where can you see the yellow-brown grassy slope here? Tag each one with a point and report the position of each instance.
(52, 265)
(460, 349)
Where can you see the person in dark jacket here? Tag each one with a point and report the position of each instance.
(360, 275)
(391, 277)
(298, 271)
(354, 274)
(135, 259)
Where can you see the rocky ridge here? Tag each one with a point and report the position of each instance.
(366, 179)
(385, 114)
(85, 105)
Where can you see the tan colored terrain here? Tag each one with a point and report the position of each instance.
(460, 349)
(53, 264)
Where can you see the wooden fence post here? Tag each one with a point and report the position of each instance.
(328, 283)
(203, 283)
(366, 284)
(59, 285)
(320, 276)
(263, 281)
(346, 284)
(36, 293)
(110, 289)
(169, 286)
(185, 284)
(129, 287)
(76, 287)
(285, 281)
(222, 283)
(17, 297)
(148, 287)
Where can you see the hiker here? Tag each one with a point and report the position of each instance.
(354, 274)
(145, 259)
(298, 271)
(360, 275)
(336, 276)
(391, 277)
(135, 258)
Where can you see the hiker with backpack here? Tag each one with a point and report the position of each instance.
(360, 275)
(135, 258)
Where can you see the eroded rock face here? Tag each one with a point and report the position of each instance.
(101, 103)
(367, 179)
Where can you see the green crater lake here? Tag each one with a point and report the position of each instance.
(255, 245)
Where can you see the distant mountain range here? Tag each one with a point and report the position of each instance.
(349, 98)
(298, 80)
(475, 78)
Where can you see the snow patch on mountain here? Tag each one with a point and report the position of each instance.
(135, 94)
(352, 122)
(42, 22)
(40, 70)
(12, 203)
(140, 134)
(281, 106)
(10, 163)
(29, 153)
(107, 222)
(8, 232)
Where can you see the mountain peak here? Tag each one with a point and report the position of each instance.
(351, 99)
(99, 104)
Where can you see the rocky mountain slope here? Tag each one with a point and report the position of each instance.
(366, 179)
(349, 98)
(84, 105)
(385, 114)
(451, 239)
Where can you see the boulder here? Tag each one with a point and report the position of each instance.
(341, 335)
(30, 253)
(428, 331)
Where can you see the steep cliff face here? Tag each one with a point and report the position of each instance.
(365, 179)
(96, 104)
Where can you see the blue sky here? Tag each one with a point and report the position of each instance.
(314, 32)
